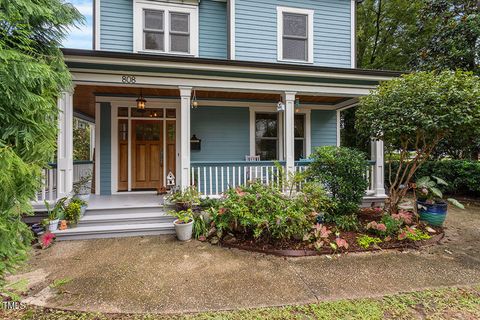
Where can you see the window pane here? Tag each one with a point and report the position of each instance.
(266, 149)
(123, 112)
(266, 125)
(154, 41)
(171, 113)
(295, 49)
(295, 24)
(299, 149)
(153, 19)
(299, 126)
(179, 22)
(179, 43)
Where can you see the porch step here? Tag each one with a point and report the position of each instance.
(124, 219)
(126, 210)
(115, 231)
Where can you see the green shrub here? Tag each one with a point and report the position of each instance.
(263, 211)
(393, 225)
(73, 211)
(341, 171)
(345, 222)
(463, 176)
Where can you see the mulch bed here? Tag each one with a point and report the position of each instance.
(299, 248)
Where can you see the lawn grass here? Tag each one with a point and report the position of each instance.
(454, 303)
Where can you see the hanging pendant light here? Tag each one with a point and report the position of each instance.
(194, 100)
(141, 102)
(297, 105)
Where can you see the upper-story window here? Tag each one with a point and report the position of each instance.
(170, 29)
(295, 34)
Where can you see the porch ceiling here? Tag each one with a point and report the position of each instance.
(84, 97)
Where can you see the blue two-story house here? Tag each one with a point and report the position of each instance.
(210, 92)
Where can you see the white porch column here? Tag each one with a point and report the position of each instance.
(92, 140)
(184, 174)
(65, 145)
(379, 168)
(289, 132)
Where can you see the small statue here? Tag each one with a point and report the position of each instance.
(63, 225)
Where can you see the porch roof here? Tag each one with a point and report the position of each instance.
(105, 67)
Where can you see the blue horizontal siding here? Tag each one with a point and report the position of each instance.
(213, 29)
(116, 25)
(324, 128)
(224, 133)
(105, 149)
(256, 30)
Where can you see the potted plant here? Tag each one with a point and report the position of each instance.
(81, 188)
(83, 206)
(183, 224)
(185, 199)
(55, 213)
(73, 211)
(431, 206)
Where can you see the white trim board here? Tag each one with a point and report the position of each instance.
(353, 40)
(310, 33)
(232, 29)
(97, 148)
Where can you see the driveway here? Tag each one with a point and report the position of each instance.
(162, 275)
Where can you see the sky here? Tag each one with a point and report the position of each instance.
(81, 38)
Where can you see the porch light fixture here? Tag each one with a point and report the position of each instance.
(141, 102)
(297, 105)
(194, 100)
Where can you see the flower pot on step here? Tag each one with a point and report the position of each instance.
(184, 231)
(434, 214)
(53, 225)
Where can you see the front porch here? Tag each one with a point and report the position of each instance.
(210, 124)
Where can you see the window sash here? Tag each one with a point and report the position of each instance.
(173, 33)
(305, 38)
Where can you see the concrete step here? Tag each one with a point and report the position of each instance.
(124, 219)
(127, 210)
(115, 231)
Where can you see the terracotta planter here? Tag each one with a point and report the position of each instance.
(184, 231)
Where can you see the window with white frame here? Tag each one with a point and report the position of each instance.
(295, 34)
(162, 28)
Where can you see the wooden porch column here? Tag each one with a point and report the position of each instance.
(289, 138)
(184, 174)
(65, 145)
(379, 168)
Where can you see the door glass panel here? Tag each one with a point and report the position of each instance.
(122, 130)
(148, 113)
(299, 126)
(147, 131)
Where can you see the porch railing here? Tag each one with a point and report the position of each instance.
(213, 178)
(48, 190)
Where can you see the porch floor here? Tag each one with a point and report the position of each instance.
(127, 200)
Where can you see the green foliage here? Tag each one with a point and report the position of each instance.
(82, 186)
(81, 140)
(32, 73)
(200, 226)
(455, 35)
(207, 203)
(187, 197)
(416, 112)
(387, 34)
(428, 190)
(463, 176)
(393, 225)
(183, 216)
(263, 211)
(57, 210)
(413, 234)
(345, 222)
(365, 241)
(341, 171)
(73, 211)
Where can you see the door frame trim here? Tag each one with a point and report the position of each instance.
(114, 140)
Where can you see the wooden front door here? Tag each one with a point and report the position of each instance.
(147, 155)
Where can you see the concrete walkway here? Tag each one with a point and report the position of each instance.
(161, 275)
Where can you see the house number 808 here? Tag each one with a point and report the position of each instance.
(129, 79)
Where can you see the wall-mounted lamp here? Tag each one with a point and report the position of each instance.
(195, 143)
(297, 105)
(280, 105)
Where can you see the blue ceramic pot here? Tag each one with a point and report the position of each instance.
(433, 214)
